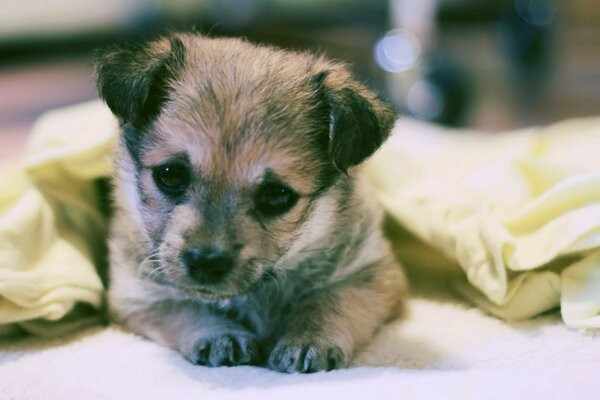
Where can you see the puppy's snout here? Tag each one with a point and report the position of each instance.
(207, 264)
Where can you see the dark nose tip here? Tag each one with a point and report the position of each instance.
(207, 264)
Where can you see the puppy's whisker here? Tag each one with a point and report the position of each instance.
(150, 263)
(155, 274)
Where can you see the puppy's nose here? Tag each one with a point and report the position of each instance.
(207, 264)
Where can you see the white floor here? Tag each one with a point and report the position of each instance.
(442, 349)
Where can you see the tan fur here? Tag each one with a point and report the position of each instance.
(308, 287)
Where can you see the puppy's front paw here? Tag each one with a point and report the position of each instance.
(291, 356)
(226, 349)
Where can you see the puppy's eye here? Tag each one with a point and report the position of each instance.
(172, 179)
(274, 199)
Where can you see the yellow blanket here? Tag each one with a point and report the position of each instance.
(519, 212)
(51, 227)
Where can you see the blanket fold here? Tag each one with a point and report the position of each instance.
(519, 212)
(52, 232)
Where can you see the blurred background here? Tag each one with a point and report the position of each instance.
(492, 65)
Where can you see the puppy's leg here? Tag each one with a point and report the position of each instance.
(326, 328)
(195, 331)
(191, 328)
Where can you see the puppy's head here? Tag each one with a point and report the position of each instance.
(233, 156)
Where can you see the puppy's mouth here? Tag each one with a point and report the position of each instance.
(207, 294)
(238, 281)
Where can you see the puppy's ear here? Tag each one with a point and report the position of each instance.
(134, 80)
(359, 122)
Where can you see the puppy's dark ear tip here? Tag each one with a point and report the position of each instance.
(359, 120)
(133, 79)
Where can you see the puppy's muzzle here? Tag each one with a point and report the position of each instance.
(207, 265)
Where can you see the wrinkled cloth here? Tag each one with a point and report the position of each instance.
(519, 212)
(52, 230)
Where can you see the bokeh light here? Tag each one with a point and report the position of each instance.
(424, 100)
(397, 51)
(536, 12)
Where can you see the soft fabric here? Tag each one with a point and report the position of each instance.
(444, 349)
(519, 212)
(51, 228)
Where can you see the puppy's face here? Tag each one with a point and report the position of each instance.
(227, 186)
(233, 156)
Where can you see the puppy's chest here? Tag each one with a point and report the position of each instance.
(264, 313)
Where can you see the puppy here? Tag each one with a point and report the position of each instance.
(239, 235)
